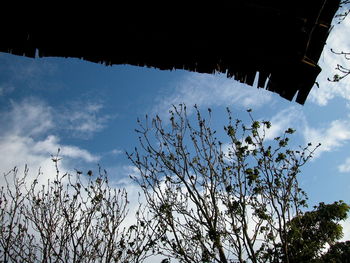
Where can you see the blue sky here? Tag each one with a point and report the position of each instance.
(90, 110)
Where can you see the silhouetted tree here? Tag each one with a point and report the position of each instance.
(69, 219)
(205, 201)
(218, 202)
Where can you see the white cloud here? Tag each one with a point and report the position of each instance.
(208, 90)
(51, 144)
(33, 117)
(30, 117)
(345, 167)
(331, 138)
(26, 138)
(338, 41)
(123, 173)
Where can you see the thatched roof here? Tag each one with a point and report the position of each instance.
(282, 40)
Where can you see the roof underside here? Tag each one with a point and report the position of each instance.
(282, 41)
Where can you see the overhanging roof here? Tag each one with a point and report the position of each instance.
(282, 40)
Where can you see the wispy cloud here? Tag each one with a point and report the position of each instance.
(116, 152)
(291, 117)
(34, 74)
(83, 119)
(208, 90)
(27, 69)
